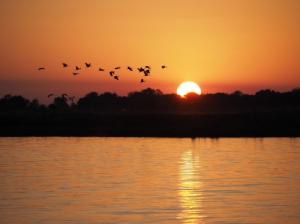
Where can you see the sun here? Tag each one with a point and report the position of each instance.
(188, 87)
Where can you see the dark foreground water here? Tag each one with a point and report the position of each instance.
(149, 180)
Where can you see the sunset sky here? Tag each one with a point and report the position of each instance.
(223, 45)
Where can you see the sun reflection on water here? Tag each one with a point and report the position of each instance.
(190, 189)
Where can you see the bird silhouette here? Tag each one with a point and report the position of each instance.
(116, 77)
(163, 66)
(50, 95)
(41, 68)
(75, 73)
(101, 69)
(142, 80)
(111, 73)
(88, 65)
(146, 72)
(116, 68)
(77, 68)
(64, 65)
(141, 69)
(129, 68)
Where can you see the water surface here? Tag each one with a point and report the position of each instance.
(149, 180)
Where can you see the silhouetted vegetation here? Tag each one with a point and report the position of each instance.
(152, 113)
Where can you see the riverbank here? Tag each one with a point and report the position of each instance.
(271, 124)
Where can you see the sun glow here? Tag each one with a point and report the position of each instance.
(188, 87)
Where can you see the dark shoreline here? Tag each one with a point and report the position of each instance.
(269, 124)
(150, 113)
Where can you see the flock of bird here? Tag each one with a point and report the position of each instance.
(145, 70)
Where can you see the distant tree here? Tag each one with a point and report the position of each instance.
(91, 95)
(108, 96)
(154, 101)
(7, 96)
(9, 102)
(59, 104)
(146, 100)
(296, 90)
(146, 93)
(94, 102)
(237, 93)
(266, 93)
(34, 104)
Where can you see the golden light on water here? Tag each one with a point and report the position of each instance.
(190, 195)
(188, 87)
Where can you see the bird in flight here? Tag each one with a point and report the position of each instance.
(50, 95)
(111, 73)
(146, 72)
(141, 69)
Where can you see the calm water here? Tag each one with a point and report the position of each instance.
(149, 180)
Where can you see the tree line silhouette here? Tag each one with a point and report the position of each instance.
(154, 101)
(151, 113)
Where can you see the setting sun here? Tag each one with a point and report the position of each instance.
(188, 87)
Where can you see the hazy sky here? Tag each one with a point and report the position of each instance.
(223, 45)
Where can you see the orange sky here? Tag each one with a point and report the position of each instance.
(223, 45)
